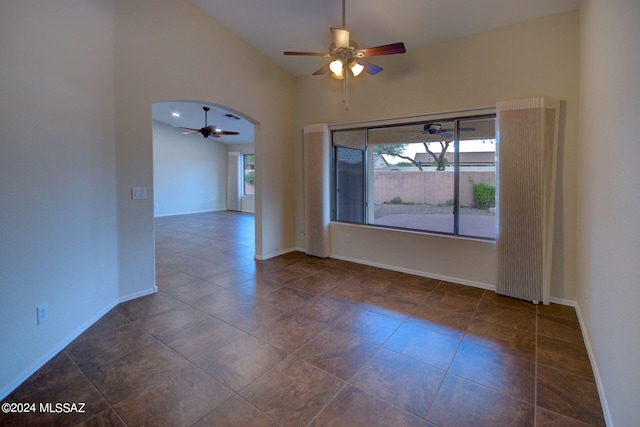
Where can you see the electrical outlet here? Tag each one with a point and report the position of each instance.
(347, 238)
(43, 313)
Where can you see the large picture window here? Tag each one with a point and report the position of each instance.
(435, 176)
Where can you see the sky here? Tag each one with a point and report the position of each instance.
(412, 149)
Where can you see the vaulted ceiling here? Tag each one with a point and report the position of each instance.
(275, 26)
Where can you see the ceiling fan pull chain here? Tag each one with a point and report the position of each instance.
(345, 92)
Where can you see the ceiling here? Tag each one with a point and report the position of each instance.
(275, 26)
(191, 115)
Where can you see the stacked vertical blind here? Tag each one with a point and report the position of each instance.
(234, 181)
(527, 152)
(317, 154)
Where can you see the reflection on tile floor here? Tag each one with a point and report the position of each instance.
(297, 340)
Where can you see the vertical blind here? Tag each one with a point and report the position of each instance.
(527, 151)
(316, 189)
(234, 181)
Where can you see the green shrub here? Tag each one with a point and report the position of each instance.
(396, 200)
(250, 177)
(484, 195)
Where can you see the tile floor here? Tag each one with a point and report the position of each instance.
(298, 341)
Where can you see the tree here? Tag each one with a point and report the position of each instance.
(395, 150)
(440, 158)
(250, 177)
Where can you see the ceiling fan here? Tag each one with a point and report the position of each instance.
(436, 129)
(208, 131)
(345, 53)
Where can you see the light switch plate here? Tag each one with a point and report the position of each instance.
(138, 193)
(43, 313)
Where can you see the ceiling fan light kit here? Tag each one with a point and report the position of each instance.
(346, 54)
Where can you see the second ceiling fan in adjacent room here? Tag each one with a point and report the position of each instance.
(208, 131)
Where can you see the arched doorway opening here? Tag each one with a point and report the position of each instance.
(194, 172)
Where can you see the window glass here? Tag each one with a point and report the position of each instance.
(477, 196)
(349, 185)
(413, 177)
(249, 174)
(434, 176)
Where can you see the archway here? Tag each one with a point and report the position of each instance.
(190, 171)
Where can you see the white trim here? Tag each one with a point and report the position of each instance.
(594, 367)
(562, 301)
(416, 272)
(275, 254)
(190, 213)
(144, 293)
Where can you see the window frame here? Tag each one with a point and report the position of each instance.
(454, 117)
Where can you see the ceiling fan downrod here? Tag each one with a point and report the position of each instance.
(206, 112)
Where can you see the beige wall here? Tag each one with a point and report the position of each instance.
(78, 80)
(609, 201)
(58, 218)
(534, 58)
(189, 176)
(168, 50)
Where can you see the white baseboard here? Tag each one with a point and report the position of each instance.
(416, 272)
(138, 294)
(188, 213)
(275, 254)
(594, 366)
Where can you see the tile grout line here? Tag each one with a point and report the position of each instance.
(109, 406)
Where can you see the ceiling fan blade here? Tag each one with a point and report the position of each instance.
(323, 70)
(189, 129)
(215, 132)
(306, 54)
(369, 68)
(387, 49)
(461, 130)
(340, 37)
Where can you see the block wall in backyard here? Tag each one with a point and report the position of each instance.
(427, 187)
